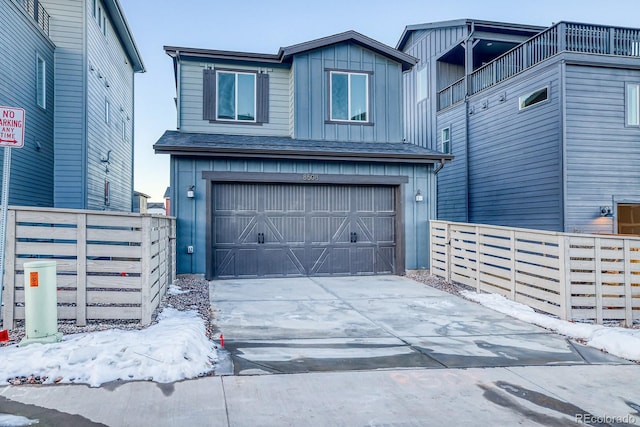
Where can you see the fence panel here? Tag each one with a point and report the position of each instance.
(109, 265)
(579, 277)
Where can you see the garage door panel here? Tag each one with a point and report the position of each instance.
(280, 230)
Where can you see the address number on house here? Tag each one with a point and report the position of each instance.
(310, 177)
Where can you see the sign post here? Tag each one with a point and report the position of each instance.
(11, 136)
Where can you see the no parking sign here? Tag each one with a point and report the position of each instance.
(11, 127)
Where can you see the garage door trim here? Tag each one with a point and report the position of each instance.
(395, 181)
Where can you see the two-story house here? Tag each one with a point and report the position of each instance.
(294, 163)
(70, 64)
(544, 123)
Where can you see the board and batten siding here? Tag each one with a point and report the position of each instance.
(191, 213)
(452, 179)
(311, 80)
(191, 98)
(109, 78)
(603, 155)
(67, 32)
(23, 42)
(426, 45)
(515, 156)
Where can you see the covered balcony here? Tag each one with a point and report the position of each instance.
(562, 37)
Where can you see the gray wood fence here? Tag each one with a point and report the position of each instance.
(109, 265)
(572, 276)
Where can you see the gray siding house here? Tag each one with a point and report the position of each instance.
(71, 68)
(294, 164)
(543, 122)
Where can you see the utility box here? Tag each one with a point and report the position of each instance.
(40, 303)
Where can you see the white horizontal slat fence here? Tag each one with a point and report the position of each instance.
(109, 265)
(572, 276)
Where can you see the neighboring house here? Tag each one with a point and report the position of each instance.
(167, 201)
(156, 208)
(70, 64)
(294, 163)
(544, 123)
(140, 202)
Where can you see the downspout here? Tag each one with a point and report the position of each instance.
(178, 67)
(439, 167)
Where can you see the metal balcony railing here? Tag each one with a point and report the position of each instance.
(562, 37)
(38, 13)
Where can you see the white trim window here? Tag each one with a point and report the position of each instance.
(445, 140)
(41, 82)
(422, 84)
(349, 96)
(236, 96)
(107, 108)
(533, 98)
(633, 104)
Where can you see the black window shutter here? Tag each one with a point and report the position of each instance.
(262, 115)
(209, 95)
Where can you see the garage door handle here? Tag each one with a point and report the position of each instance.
(260, 237)
(354, 237)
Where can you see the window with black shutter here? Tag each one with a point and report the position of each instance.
(235, 96)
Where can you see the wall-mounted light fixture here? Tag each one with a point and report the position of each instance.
(605, 211)
(191, 192)
(419, 196)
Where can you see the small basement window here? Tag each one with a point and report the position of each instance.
(533, 98)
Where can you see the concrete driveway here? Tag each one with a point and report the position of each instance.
(376, 322)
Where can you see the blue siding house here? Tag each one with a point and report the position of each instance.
(71, 67)
(294, 164)
(544, 123)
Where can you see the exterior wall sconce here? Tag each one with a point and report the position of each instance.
(419, 196)
(605, 211)
(191, 192)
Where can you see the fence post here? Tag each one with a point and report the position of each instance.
(514, 263)
(598, 270)
(145, 271)
(564, 276)
(562, 37)
(8, 314)
(448, 252)
(477, 259)
(172, 241)
(628, 300)
(81, 269)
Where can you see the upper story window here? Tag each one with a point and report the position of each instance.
(236, 96)
(107, 111)
(633, 104)
(446, 140)
(100, 16)
(422, 84)
(535, 97)
(349, 96)
(41, 82)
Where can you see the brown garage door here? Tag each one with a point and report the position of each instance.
(274, 230)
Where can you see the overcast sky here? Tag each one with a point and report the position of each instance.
(265, 26)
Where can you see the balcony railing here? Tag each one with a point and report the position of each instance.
(38, 13)
(561, 37)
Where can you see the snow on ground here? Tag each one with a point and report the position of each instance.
(8, 420)
(621, 342)
(173, 349)
(176, 290)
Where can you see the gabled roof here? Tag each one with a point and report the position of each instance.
(125, 35)
(278, 147)
(463, 22)
(285, 54)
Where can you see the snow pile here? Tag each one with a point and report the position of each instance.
(176, 290)
(620, 342)
(173, 349)
(8, 420)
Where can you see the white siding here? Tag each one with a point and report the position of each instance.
(191, 93)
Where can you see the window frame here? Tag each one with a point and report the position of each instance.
(255, 95)
(107, 110)
(422, 79)
(349, 73)
(41, 82)
(522, 98)
(443, 140)
(627, 112)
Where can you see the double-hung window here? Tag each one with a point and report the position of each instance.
(446, 140)
(41, 82)
(349, 96)
(236, 96)
(633, 104)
